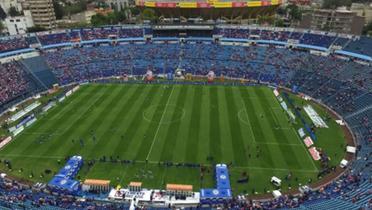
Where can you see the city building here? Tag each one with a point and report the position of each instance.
(43, 13)
(83, 17)
(299, 2)
(19, 24)
(364, 10)
(119, 4)
(7, 4)
(339, 21)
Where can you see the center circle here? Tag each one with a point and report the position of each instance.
(164, 114)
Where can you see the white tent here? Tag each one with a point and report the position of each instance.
(343, 163)
(350, 149)
(277, 193)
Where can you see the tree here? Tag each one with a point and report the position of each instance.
(333, 4)
(135, 11)
(35, 29)
(80, 6)
(111, 18)
(367, 30)
(148, 14)
(280, 23)
(58, 9)
(122, 15)
(99, 20)
(262, 20)
(294, 12)
(2, 27)
(2, 13)
(14, 12)
(73, 25)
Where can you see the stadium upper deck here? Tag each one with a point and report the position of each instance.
(317, 40)
(211, 9)
(334, 78)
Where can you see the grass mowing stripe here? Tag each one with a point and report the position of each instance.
(257, 129)
(28, 142)
(192, 145)
(44, 149)
(113, 120)
(279, 133)
(214, 120)
(131, 130)
(294, 136)
(145, 125)
(160, 124)
(55, 112)
(153, 122)
(252, 118)
(226, 144)
(63, 140)
(204, 128)
(239, 154)
(184, 120)
(111, 116)
(173, 129)
(25, 136)
(196, 122)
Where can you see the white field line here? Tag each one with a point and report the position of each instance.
(295, 133)
(275, 119)
(160, 123)
(248, 122)
(250, 125)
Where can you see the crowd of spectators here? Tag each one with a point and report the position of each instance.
(309, 38)
(128, 33)
(56, 38)
(350, 188)
(13, 81)
(16, 195)
(321, 40)
(11, 44)
(106, 33)
(343, 85)
(321, 77)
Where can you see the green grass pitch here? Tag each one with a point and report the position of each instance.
(244, 126)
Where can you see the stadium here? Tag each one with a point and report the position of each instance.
(146, 116)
